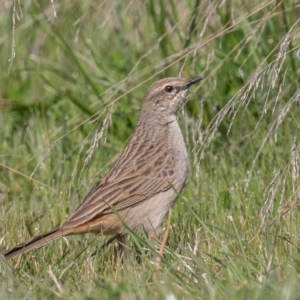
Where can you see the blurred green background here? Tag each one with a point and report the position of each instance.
(73, 75)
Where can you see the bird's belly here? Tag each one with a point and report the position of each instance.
(150, 213)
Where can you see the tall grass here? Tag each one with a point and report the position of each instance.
(73, 74)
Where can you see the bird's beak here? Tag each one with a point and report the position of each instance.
(192, 81)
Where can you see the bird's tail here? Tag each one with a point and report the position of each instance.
(36, 241)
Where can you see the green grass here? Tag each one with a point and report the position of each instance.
(70, 97)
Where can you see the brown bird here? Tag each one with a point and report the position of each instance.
(144, 182)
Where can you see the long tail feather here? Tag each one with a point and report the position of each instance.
(35, 242)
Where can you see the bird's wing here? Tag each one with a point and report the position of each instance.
(138, 175)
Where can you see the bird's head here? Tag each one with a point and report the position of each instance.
(165, 97)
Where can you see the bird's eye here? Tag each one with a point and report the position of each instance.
(169, 88)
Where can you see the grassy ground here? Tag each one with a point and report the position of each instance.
(73, 74)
